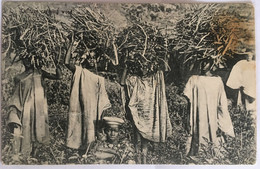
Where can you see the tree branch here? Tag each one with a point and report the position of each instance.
(145, 42)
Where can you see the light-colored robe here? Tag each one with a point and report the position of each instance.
(208, 111)
(28, 109)
(148, 106)
(87, 101)
(243, 74)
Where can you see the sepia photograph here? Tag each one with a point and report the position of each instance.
(87, 83)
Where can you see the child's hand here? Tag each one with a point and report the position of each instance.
(102, 136)
(13, 127)
(16, 126)
(72, 37)
(58, 66)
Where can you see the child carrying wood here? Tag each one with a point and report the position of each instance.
(88, 100)
(208, 110)
(28, 110)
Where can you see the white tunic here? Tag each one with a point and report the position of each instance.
(208, 110)
(243, 74)
(87, 101)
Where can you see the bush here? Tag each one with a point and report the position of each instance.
(238, 150)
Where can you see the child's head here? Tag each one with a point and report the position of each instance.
(112, 132)
(27, 63)
(112, 128)
(89, 59)
(206, 66)
(249, 56)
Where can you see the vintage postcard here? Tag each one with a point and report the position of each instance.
(128, 83)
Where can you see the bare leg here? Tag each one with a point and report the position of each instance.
(34, 149)
(137, 145)
(17, 140)
(144, 149)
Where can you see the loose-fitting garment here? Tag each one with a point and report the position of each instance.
(148, 106)
(208, 111)
(87, 101)
(243, 74)
(28, 109)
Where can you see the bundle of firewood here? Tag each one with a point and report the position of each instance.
(92, 31)
(33, 34)
(213, 32)
(144, 49)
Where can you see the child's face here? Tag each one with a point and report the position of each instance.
(205, 68)
(90, 59)
(27, 64)
(112, 133)
(249, 57)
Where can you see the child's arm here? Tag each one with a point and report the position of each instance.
(56, 76)
(115, 52)
(14, 126)
(13, 119)
(70, 66)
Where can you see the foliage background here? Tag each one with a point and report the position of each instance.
(183, 34)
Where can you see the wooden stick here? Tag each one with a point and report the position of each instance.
(145, 42)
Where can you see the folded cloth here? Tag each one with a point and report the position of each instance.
(87, 102)
(243, 74)
(28, 109)
(148, 106)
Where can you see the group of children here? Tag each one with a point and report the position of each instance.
(145, 100)
(28, 109)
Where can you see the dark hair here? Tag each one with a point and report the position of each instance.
(27, 63)
(86, 63)
(205, 65)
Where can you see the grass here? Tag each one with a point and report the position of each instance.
(238, 150)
